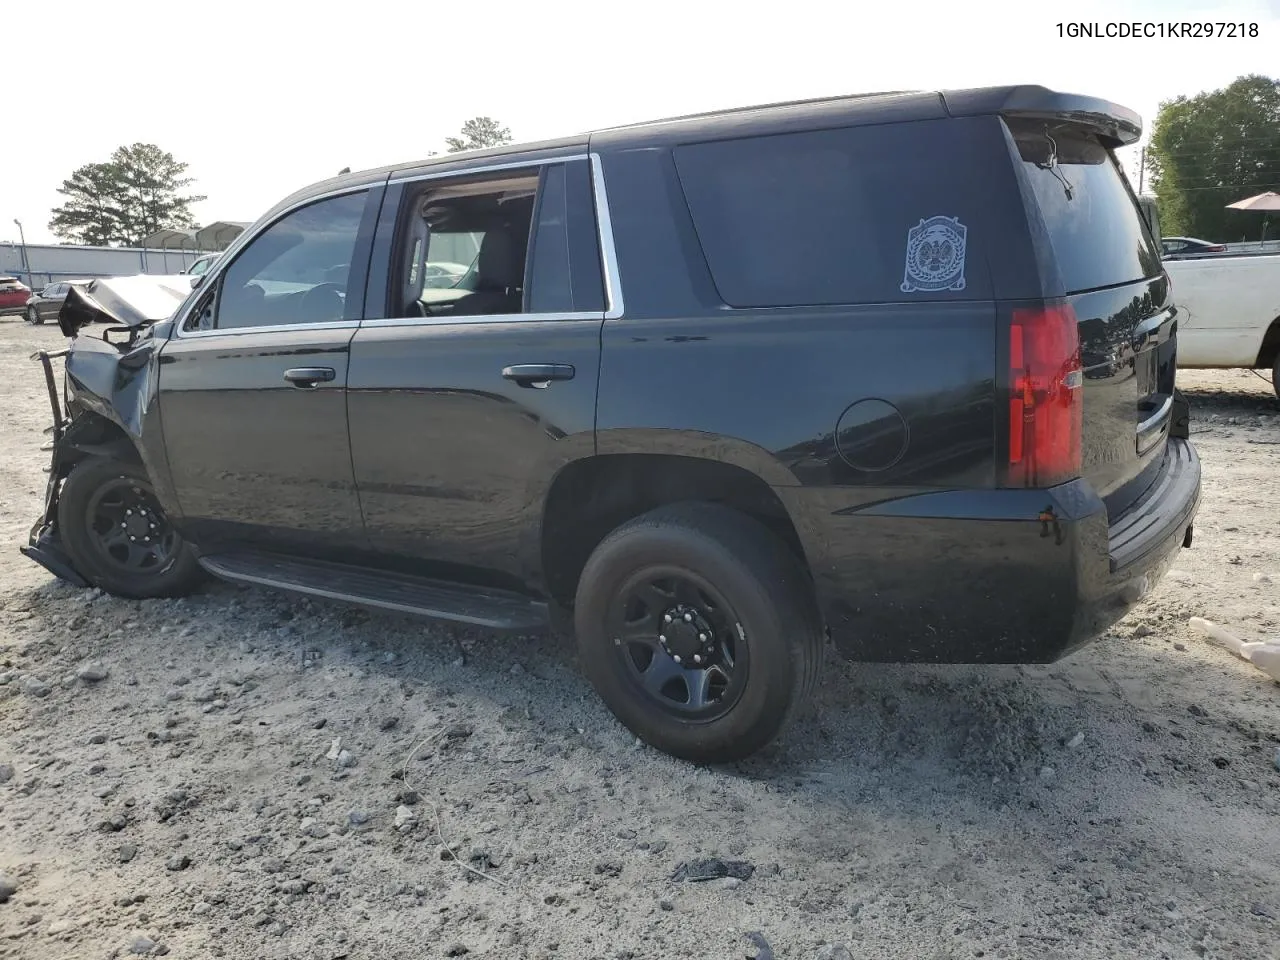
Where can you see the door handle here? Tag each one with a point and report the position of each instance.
(308, 377)
(538, 375)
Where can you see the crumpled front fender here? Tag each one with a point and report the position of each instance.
(115, 384)
(118, 384)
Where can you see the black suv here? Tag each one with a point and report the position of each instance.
(896, 369)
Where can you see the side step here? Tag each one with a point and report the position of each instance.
(439, 600)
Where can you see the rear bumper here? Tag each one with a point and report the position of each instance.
(991, 576)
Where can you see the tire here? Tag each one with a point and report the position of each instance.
(97, 492)
(743, 587)
(1275, 378)
(33, 316)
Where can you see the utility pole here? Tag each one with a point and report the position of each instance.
(26, 261)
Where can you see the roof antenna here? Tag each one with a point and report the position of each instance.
(1052, 164)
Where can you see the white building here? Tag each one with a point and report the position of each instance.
(169, 251)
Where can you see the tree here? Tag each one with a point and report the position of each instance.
(129, 197)
(1212, 149)
(478, 133)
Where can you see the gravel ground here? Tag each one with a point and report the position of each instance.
(247, 774)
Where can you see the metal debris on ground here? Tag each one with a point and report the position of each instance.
(697, 871)
(761, 944)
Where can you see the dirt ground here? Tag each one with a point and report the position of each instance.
(195, 800)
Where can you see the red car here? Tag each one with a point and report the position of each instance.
(13, 295)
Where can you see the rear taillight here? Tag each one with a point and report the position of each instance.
(1217, 249)
(1046, 396)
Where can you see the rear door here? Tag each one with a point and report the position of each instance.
(476, 379)
(1099, 253)
(252, 387)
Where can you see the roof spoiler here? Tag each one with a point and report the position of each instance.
(1118, 126)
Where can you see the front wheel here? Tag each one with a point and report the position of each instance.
(697, 627)
(117, 534)
(33, 316)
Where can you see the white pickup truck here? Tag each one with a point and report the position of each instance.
(1229, 311)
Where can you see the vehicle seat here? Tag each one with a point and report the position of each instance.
(499, 274)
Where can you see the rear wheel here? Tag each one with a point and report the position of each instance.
(1275, 377)
(117, 534)
(33, 316)
(697, 627)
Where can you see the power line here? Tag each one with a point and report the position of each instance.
(1231, 186)
(1210, 172)
(1249, 139)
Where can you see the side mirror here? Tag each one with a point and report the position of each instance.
(196, 280)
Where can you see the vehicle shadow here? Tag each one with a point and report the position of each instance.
(1250, 393)
(963, 779)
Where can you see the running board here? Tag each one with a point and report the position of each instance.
(436, 599)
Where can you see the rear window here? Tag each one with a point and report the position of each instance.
(1092, 218)
(827, 216)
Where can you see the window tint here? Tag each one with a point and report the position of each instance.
(549, 288)
(584, 238)
(823, 217)
(1098, 236)
(295, 271)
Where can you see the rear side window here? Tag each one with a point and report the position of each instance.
(1091, 216)
(550, 290)
(827, 216)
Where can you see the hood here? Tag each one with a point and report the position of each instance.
(124, 301)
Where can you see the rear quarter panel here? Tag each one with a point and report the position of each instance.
(837, 407)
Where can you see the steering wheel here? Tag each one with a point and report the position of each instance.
(322, 303)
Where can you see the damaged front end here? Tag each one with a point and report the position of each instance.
(43, 546)
(107, 390)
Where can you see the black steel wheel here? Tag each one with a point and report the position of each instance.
(680, 642)
(118, 535)
(698, 629)
(128, 528)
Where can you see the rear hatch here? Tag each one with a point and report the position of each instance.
(1100, 264)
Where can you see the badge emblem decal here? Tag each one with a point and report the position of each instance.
(935, 255)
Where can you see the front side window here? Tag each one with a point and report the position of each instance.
(295, 271)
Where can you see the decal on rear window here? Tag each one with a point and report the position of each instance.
(935, 255)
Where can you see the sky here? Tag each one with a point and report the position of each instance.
(261, 98)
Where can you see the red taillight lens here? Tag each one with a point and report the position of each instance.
(1218, 249)
(1046, 397)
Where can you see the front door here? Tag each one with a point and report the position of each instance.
(478, 383)
(252, 386)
